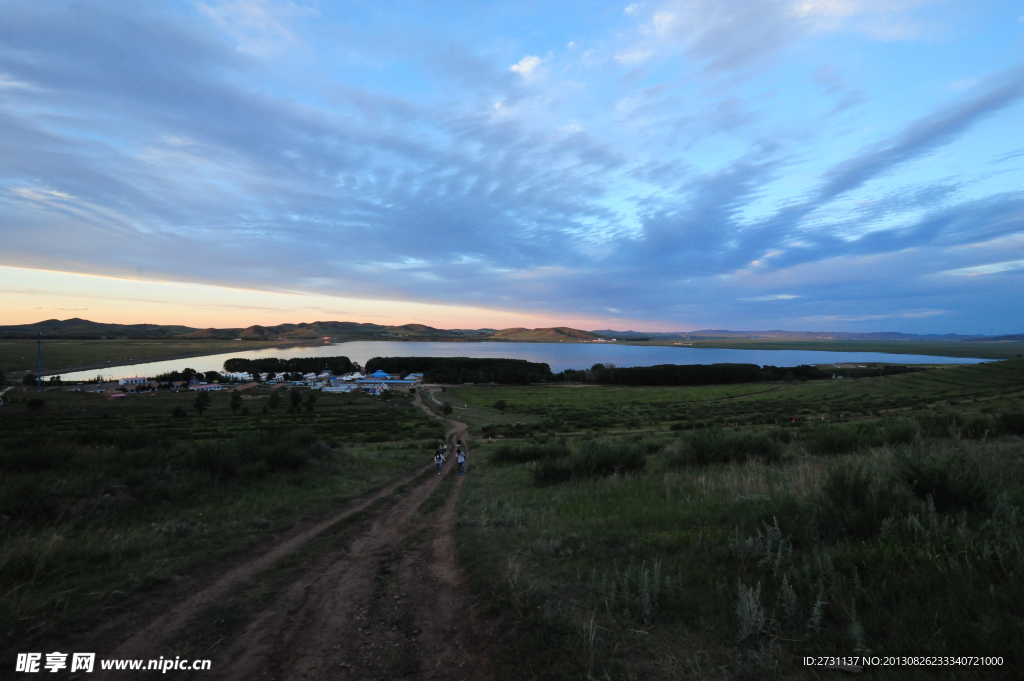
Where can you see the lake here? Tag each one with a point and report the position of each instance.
(559, 356)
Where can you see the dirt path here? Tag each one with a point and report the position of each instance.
(390, 603)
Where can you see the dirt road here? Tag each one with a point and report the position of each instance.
(389, 601)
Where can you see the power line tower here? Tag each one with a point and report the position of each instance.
(39, 361)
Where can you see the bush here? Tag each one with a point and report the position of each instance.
(840, 439)
(899, 431)
(952, 481)
(590, 459)
(956, 426)
(853, 502)
(35, 403)
(1011, 422)
(714, 445)
(526, 453)
(178, 412)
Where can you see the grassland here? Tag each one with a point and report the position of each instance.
(572, 408)
(976, 349)
(737, 545)
(102, 500)
(20, 355)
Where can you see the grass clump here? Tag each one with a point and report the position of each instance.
(715, 445)
(590, 459)
(509, 452)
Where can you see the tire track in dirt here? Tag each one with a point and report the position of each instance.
(305, 634)
(146, 642)
(392, 603)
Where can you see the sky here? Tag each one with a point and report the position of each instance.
(853, 165)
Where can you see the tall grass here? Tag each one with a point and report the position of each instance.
(90, 518)
(915, 547)
(715, 445)
(591, 459)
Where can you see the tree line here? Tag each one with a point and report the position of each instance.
(464, 369)
(457, 370)
(299, 365)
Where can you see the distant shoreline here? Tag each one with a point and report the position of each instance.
(114, 363)
(936, 350)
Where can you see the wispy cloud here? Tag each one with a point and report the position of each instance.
(680, 161)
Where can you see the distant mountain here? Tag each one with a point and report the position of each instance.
(85, 329)
(558, 334)
(724, 334)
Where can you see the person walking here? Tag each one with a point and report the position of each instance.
(460, 457)
(439, 460)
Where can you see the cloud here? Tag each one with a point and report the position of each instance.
(372, 166)
(778, 296)
(992, 268)
(527, 65)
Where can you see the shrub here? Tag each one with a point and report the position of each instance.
(202, 402)
(956, 426)
(178, 412)
(219, 460)
(590, 459)
(35, 403)
(526, 453)
(714, 445)
(1011, 422)
(899, 431)
(840, 439)
(952, 481)
(853, 502)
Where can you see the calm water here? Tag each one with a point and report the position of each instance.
(559, 355)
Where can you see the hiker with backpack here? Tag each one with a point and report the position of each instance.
(460, 457)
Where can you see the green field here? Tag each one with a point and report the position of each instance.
(574, 408)
(724, 551)
(101, 500)
(20, 355)
(976, 349)
(608, 532)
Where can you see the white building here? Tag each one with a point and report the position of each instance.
(134, 380)
(207, 387)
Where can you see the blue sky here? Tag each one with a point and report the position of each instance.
(807, 165)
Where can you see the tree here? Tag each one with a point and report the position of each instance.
(35, 403)
(236, 402)
(500, 405)
(3, 379)
(310, 401)
(275, 400)
(446, 409)
(178, 413)
(295, 397)
(202, 402)
(212, 376)
(29, 379)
